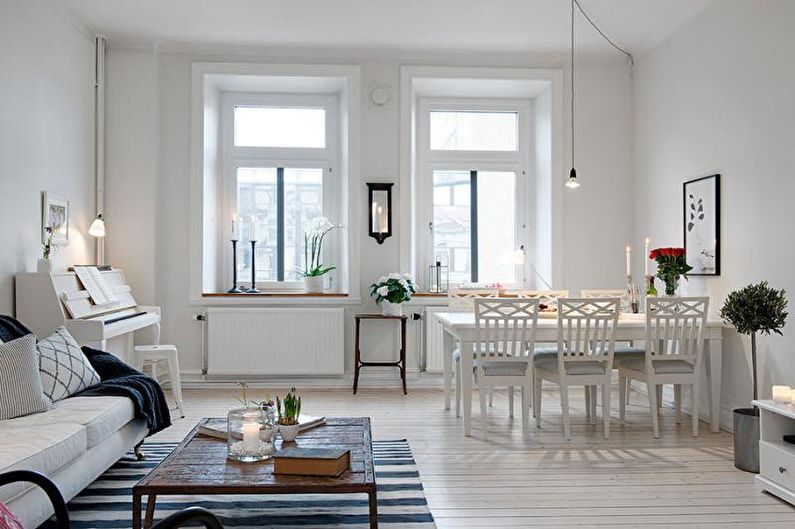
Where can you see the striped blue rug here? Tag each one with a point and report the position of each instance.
(107, 503)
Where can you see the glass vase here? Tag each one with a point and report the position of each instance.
(246, 430)
(671, 285)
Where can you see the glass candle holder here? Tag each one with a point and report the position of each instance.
(249, 436)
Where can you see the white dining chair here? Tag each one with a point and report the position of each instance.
(586, 341)
(504, 331)
(674, 350)
(624, 349)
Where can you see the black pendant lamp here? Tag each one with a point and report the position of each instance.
(572, 182)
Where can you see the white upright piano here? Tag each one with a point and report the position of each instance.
(44, 302)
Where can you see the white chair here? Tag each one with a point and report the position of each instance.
(150, 355)
(622, 351)
(674, 348)
(463, 299)
(504, 332)
(586, 341)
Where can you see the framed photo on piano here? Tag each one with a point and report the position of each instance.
(55, 213)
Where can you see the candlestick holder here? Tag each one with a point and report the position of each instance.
(630, 300)
(253, 289)
(234, 289)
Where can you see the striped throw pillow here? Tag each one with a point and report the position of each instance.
(65, 370)
(20, 384)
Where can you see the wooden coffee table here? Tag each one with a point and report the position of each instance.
(199, 466)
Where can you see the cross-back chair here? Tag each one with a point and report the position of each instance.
(504, 333)
(674, 353)
(586, 341)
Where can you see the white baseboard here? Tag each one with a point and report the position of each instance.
(371, 378)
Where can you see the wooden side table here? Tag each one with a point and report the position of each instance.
(401, 363)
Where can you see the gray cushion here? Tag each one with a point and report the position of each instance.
(457, 353)
(20, 384)
(572, 368)
(628, 350)
(546, 351)
(65, 370)
(504, 369)
(669, 367)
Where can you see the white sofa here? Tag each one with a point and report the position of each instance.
(72, 444)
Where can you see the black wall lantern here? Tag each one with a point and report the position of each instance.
(379, 219)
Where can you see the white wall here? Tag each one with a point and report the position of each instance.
(598, 211)
(719, 97)
(46, 134)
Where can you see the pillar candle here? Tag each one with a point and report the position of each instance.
(646, 259)
(253, 231)
(782, 393)
(250, 435)
(234, 227)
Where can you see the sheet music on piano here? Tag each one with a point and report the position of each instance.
(98, 290)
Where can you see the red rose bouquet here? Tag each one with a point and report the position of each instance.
(671, 265)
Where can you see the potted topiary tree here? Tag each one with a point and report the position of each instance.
(753, 309)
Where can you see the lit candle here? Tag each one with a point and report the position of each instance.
(381, 220)
(234, 227)
(250, 435)
(646, 258)
(253, 231)
(374, 220)
(782, 393)
(629, 267)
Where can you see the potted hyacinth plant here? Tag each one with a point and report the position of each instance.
(391, 291)
(314, 270)
(289, 410)
(751, 310)
(671, 266)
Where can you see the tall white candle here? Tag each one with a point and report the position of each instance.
(646, 258)
(253, 231)
(629, 259)
(382, 220)
(374, 220)
(250, 435)
(234, 227)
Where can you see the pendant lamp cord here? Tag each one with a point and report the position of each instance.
(607, 39)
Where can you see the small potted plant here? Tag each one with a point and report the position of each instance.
(289, 410)
(314, 271)
(753, 309)
(391, 291)
(44, 266)
(671, 265)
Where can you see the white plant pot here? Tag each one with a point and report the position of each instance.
(391, 309)
(44, 266)
(313, 284)
(289, 433)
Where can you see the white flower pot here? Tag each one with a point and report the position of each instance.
(391, 309)
(44, 266)
(313, 284)
(289, 433)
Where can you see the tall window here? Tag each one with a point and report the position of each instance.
(472, 160)
(280, 158)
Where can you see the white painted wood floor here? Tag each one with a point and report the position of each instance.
(630, 480)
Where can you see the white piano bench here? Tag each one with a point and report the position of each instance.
(152, 354)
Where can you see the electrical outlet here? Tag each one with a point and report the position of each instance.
(199, 317)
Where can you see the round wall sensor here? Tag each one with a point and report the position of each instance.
(379, 96)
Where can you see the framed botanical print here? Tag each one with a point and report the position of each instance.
(701, 201)
(55, 213)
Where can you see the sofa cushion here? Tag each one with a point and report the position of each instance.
(20, 384)
(100, 416)
(65, 370)
(42, 447)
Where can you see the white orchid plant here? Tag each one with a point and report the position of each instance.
(394, 288)
(316, 230)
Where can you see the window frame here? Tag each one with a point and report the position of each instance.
(327, 159)
(429, 160)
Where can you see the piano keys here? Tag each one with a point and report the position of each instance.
(47, 301)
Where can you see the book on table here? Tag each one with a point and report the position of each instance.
(218, 427)
(328, 462)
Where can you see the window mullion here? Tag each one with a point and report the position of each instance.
(473, 223)
(280, 224)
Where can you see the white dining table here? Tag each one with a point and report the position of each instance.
(459, 326)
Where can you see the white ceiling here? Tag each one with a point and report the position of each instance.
(460, 25)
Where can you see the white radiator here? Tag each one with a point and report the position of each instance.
(275, 341)
(434, 340)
